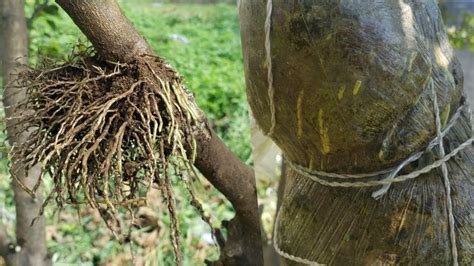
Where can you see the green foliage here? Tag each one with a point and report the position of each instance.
(462, 36)
(89, 242)
(52, 33)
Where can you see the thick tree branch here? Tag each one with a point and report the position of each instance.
(223, 169)
(237, 182)
(104, 24)
(115, 39)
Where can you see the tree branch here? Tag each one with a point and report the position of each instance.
(104, 24)
(237, 182)
(115, 39)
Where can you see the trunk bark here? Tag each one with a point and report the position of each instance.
(351, 94)
(30, 247)
(115, 39)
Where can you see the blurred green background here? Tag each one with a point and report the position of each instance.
(202, 42)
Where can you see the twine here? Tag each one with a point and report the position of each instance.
(447, 184)
(392, 174)
(286, 254)
(268, 50)
(390, 179)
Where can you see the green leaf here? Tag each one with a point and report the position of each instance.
(51, 23)
(51, 10)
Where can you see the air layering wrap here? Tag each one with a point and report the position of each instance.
(346, 87)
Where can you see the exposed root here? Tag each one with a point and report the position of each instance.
(105, 132)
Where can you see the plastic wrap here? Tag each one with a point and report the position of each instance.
(351, 95)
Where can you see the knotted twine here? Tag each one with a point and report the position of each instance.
(391, 174)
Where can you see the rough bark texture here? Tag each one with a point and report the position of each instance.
(30, 246)
(351, 94)
(408, 226)
(115, 39)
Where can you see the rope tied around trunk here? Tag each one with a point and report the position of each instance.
(343, 180)
(373, 179)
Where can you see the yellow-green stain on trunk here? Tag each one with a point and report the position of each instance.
(299, 113)
(445, 116)
(357, 87)
(311, 164)
(340, 94)
(381, 155)
(323, 133)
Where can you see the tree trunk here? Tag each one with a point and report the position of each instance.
(351, 83)
(115, 39)
(30, 247)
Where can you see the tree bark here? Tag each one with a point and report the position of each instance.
(30, 246)
(115, 39)
(350, 86)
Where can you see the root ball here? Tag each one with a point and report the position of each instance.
(105, 132)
